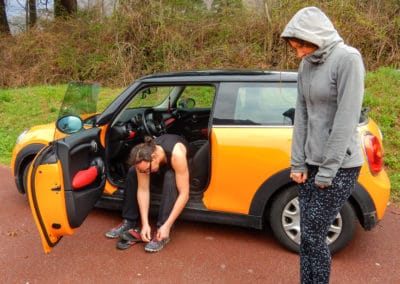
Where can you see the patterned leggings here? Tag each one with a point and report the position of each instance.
(318, 209)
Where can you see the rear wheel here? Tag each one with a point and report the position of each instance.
(284, 220)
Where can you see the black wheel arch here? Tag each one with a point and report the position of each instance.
(24, 157)
(267, 190)
(360, 200)
(364, 207)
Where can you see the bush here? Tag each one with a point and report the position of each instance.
(143, 37)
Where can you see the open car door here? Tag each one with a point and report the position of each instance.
(67, 177)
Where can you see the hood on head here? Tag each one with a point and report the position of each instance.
(312, 25)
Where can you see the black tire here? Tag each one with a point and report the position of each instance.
(284, 219)
(25, 177)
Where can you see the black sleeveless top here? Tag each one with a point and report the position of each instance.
(168, 142)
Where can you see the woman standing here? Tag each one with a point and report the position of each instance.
(326, 154)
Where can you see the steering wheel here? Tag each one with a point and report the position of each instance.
(153, 123)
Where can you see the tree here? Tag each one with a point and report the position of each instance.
(65, 8)
(32, 13)
(4, 27)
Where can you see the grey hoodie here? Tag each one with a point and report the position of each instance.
(330, 94)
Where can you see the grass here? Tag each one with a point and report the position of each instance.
(21, 108)
(383, 97)
(24, 107)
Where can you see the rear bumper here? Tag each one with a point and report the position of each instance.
(370, 198)
(369, 221)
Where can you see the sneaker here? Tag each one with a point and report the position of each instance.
(118, 230)
(155, 246)
(129, 238)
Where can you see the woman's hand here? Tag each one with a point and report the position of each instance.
(322, 186)
(298, 177)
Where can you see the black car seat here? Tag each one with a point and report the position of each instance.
(199, 166)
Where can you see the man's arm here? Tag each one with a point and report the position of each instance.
(180, 166)
(143, 198)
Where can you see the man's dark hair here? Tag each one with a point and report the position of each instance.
(142, 151)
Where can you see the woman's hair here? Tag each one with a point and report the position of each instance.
(300, 41)
(142, 151)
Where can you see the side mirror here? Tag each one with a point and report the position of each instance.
(69, 124)
(186, 103)
(148, 91)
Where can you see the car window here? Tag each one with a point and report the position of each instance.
(151, 97)
(196, 97)
(256, 104)
(162, 98)
(80, 98)
(187, 96)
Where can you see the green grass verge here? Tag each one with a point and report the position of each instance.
(24, 107)
(383, 97)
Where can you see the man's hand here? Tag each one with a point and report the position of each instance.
(298, 177)
(163, 232)
(145, 233)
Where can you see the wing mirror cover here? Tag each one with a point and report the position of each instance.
(69, 124)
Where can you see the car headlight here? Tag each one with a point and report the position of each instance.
(22, 135)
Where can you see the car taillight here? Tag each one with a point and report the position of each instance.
(374, 153)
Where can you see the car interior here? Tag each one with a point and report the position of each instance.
(183, 114)
(185, 110)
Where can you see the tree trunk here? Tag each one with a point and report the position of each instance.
(32, 13)
(4, 27)
(65, 8)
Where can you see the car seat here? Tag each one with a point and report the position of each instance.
(199, 166)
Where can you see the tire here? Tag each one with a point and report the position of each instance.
(284, 219)
(25, 177)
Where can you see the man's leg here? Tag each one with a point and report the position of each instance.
(130, 208)
(168, 199)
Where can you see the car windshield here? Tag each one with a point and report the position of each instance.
(80, 99)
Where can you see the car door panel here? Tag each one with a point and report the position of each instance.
(239, 153)
(57, 206)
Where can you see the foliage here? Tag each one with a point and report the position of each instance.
(24, 107)
(143, 37)
(39, 104)
(383, 97)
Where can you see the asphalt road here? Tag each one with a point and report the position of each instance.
(197, 253)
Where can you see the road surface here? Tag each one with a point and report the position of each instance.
(197, 253)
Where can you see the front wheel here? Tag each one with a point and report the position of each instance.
(25, 177)
(284, 220)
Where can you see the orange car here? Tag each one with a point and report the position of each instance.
(239, 125)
